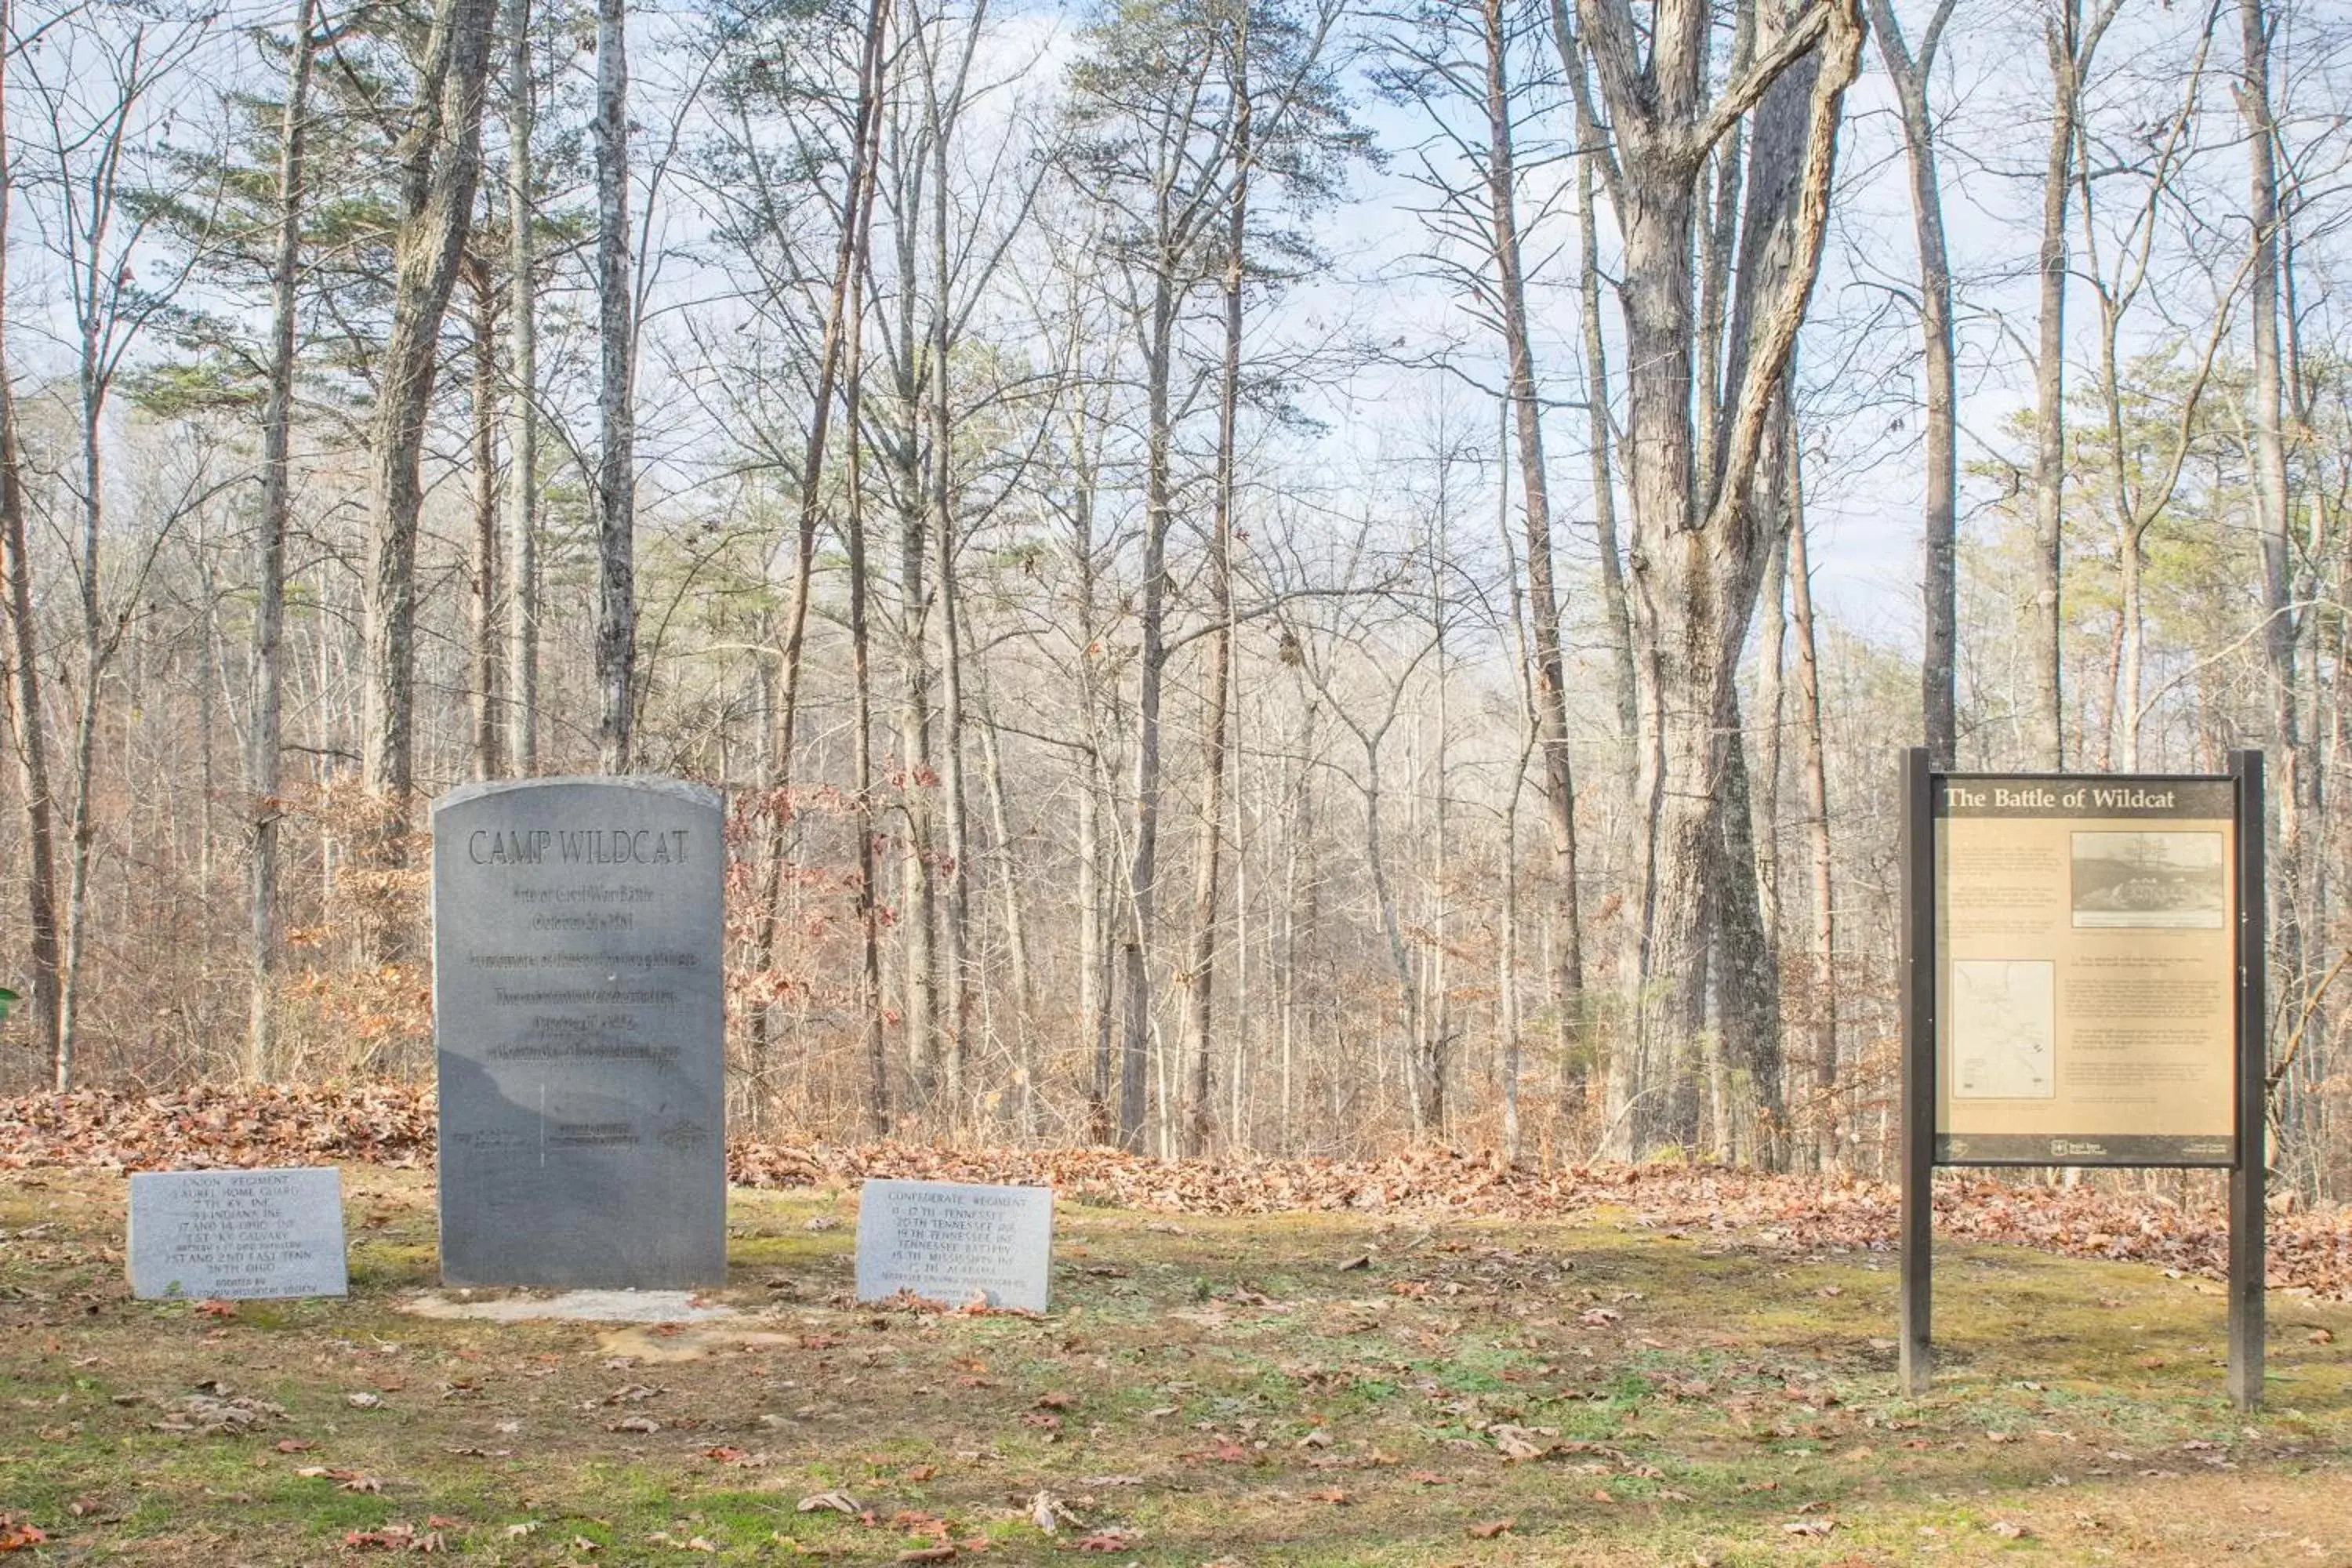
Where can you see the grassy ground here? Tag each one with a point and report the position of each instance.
(1302, 1390)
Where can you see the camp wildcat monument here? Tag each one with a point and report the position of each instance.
(578, 1020)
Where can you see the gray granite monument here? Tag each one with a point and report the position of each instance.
(236, 1234)
(954, 1241)
(579, 1022)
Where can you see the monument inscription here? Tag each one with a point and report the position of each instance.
(236, 1234)
(953, 1241)
(578, 1017)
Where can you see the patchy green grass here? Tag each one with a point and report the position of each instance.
(1311, 1391)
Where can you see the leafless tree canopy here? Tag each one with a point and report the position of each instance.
(1258, 574)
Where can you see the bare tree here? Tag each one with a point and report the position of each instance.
(2068, 43)
(25, 715)
(439, 156)
(2296, 790)
(1697, 553)
(1939, 508)
(616, 466)
(265, 743)
(522, 407)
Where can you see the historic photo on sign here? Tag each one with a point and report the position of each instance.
(2004, 1028)
(2160, 881)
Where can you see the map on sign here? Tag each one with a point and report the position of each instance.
(2004, 1028)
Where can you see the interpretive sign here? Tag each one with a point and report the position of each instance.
(2086, 950)
(2083, 985)
(955, 1242)
(236, 1234)
(578, 1016)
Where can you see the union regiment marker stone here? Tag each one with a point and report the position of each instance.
(578, 1019)
(227, 1234)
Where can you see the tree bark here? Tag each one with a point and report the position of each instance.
(1615, 615)
(955, 930)
(522, 406)
(265, 748)
(1217, 683)
(1697, 557)
(439, 158)
(616, 461)
(489, 702)
(1143, 864)
(1939, 507)
(857, 203)
(2069, 49)
(2281, 625)
(46, 956)
(1543, 597)
(1822, 1013)
(860, 214)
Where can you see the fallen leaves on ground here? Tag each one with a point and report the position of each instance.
(393, 1124)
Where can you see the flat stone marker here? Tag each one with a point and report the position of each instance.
(578, 1017)
(951, 1241)
(207, 1234)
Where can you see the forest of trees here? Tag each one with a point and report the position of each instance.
(1258, 576)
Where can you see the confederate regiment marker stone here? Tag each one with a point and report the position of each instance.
(951, 1241)
(215, 1234)
(578, 1016)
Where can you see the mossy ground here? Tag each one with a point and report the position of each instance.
(1243, 1391)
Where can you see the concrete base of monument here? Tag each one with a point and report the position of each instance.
(573, 1306)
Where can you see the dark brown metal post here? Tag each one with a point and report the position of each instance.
(1918, 969)
(2247, 1242)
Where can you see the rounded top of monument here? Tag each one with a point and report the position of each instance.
(653, 784)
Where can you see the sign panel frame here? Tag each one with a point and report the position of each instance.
(2084, 986)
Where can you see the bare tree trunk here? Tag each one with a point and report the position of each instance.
(1200, 974)
(81, 817)
(869, 913)
(1517, 646)
(2069, 47)
(1543, 599)
(857, 201)
(1016, 928)
(1143, 865)
(955, 930)
(1697, 553)
(522, 407)
(955, 926)
(487, 701)
(1614, 613)
(1823, 1010)
(1436, 1020)
(917, 911)
(2281, 625)
(265, 752)
(1771, 717)
(25, 687)
(616, 459)
(440, 159)
(1938, 587)
(1094, 959)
